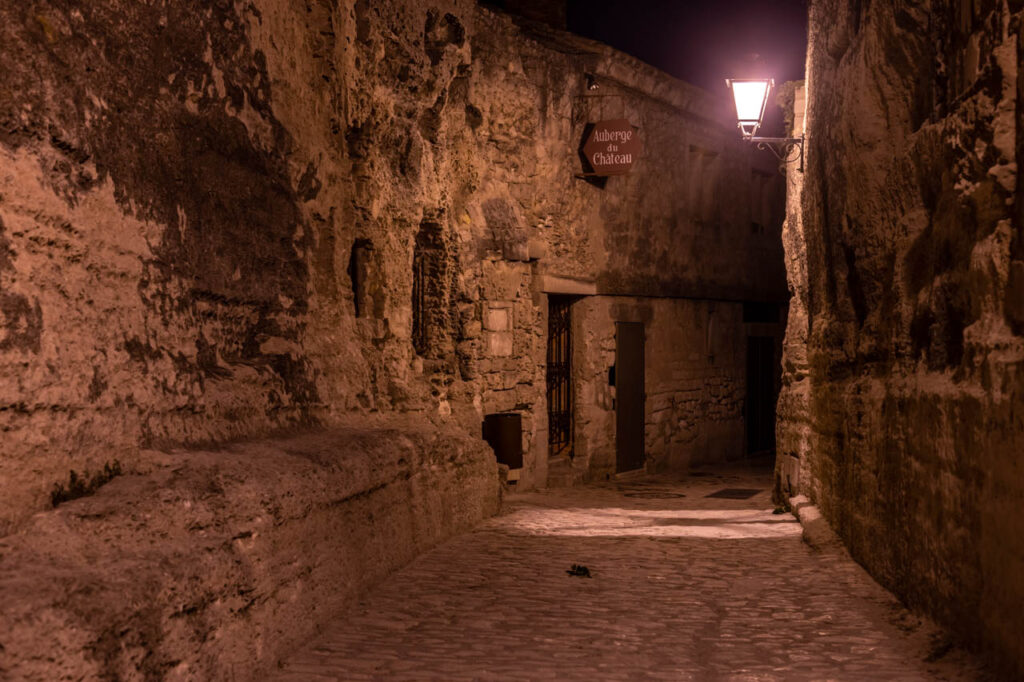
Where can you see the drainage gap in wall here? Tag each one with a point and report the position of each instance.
(735, 493)
(647, 495)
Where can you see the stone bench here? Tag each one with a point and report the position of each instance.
(213, 564)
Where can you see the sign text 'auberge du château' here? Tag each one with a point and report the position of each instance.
(612, 147)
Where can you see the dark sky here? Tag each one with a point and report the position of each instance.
(701, 41)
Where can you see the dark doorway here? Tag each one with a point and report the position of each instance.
(559, 376)
(760, 404)
(629, 396)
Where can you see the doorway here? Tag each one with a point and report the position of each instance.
(559, 376)
(760, 403)
(629, 396)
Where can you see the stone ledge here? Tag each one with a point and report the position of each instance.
(213, 564)
(816, 531)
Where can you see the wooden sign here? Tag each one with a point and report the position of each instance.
(612, 147)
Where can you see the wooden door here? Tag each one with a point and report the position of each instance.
(629, 396)
(760, 403)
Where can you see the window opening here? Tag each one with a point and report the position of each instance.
(559, 376)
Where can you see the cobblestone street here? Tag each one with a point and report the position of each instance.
(682, 586)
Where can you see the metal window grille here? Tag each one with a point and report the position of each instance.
(559, 377)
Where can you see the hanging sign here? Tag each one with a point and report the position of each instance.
(612, 147)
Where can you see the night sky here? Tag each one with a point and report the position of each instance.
(701, 41)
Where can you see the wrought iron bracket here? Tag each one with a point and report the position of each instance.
(783, 148)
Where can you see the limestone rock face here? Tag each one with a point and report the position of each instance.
(219, 223)
(211, 565)
(226, 222)
(905, 381)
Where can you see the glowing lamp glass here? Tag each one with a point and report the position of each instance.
(751, 98)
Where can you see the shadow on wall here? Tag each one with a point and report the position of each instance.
(234, 237)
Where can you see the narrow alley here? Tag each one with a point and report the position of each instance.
(511, 340)
(687, 582)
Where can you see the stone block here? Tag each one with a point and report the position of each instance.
(536, 249)
(500, 401)
(498, 318)
(467, 357)
(498, 344)
(501, 280)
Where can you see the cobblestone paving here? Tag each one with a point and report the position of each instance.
(682, 587)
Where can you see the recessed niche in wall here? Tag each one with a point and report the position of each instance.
(359, 266)
(430, 289)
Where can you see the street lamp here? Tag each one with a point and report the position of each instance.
(751, 98)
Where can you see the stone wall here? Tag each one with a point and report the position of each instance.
(219, 224)
(794, 433)
(213, 565)
(695, 355)
(907, 332)
(171, 268)
(660, 231)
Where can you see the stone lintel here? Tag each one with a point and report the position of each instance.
(553, 284)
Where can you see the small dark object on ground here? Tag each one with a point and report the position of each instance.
(779, 510)
(580, 571)
(80, 486)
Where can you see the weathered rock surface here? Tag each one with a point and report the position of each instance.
(217, 223)
(220, 222)
(905, 355)
(208, 565)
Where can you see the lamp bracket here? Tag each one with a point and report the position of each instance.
(783, 148)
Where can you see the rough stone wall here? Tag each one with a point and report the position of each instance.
(213, 565)
(912, 230)
(166, 246)
(659, 231)
(794, 432)
(211, 222)
(512, 356)
(695, 381)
